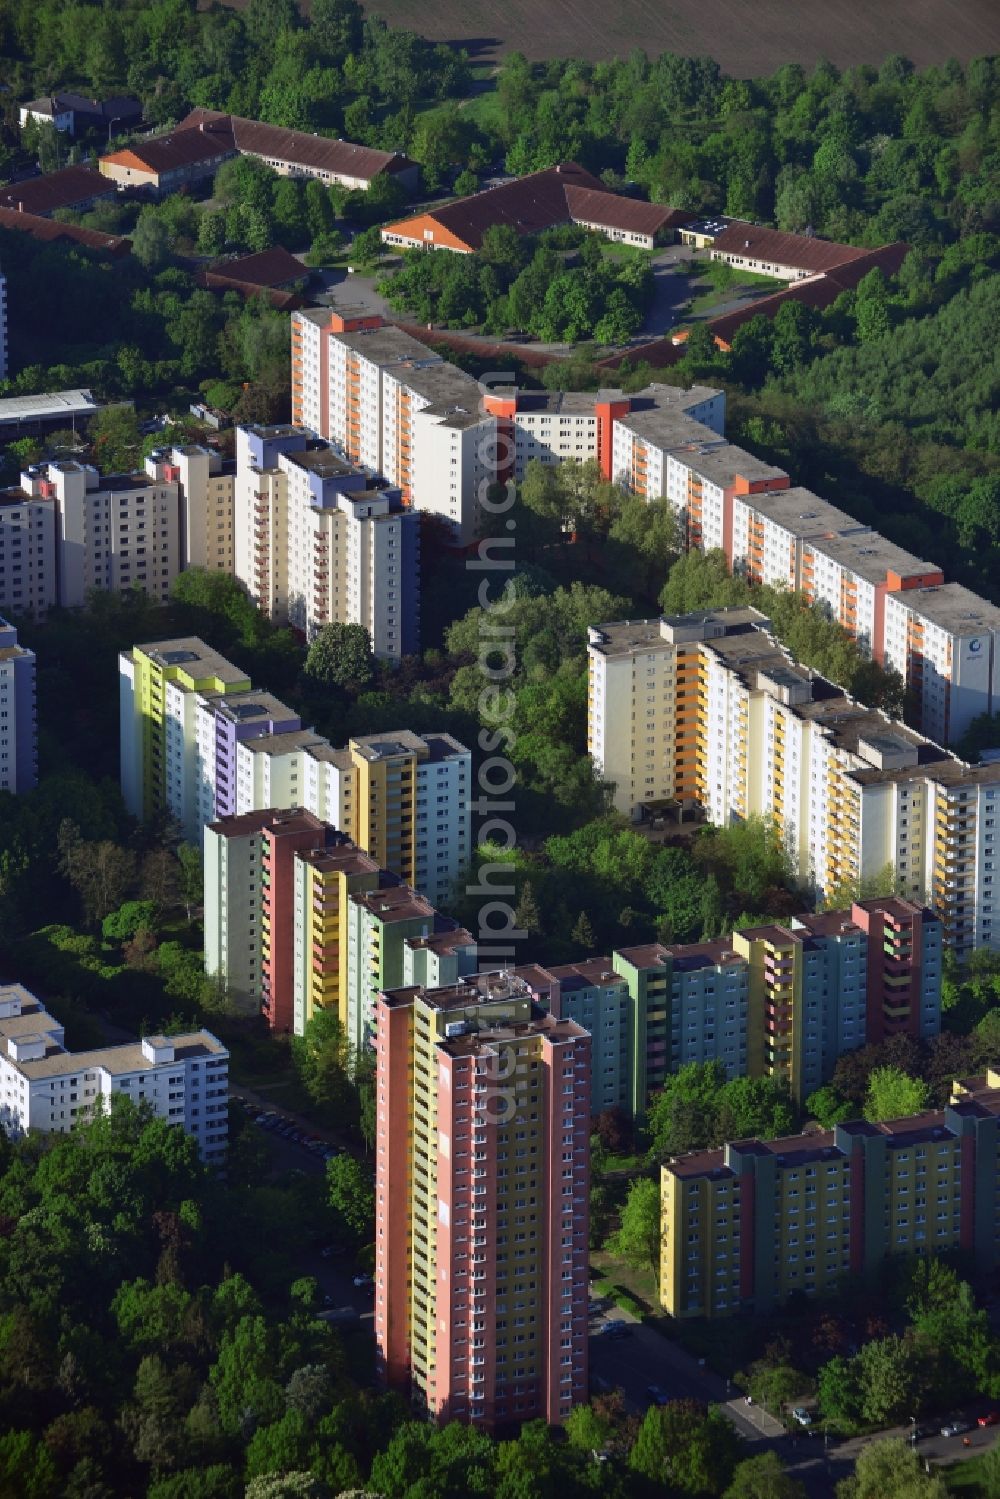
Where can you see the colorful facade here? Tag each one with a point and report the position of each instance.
(745, 1227)
(708, 710)
(161, 687)
(780, 1001)
(298, 918)
(481, 1203)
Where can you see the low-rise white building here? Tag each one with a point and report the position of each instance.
(183, 1079)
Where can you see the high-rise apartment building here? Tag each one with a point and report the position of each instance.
(710, 711)
(395, 407)
(18, 719)
(198, 743)
(65, 530)
(223, 721)
(183, 1079)
(791, 538)
(782, 1001)
(206, 493)
(318, 540)
(298, 918)
(161, 688)
(481, 1202)
(388, 931)
(745, 1227)
(403, 797)
(945, 643)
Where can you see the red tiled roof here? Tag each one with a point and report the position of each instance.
(817, 291)
(63, 189)
(320, 153)
(778, 248)
(274, 267)
(181, 148)
(528, 204)
(633, 215)
(48, 230)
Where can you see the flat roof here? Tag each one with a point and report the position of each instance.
(871, 556)
(802, 513)
(448, 940)
(289, 820)
(129, 1057)
(396, 904)
(282, 744)
(244, 707)
(723, 463)
(388, 345)
(50, 403)
(545, 1026)
(624, 637)
(189, 651)
(952, 607)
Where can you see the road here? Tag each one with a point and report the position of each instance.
(643, 1357)
(334, 1274)
(637, 1359)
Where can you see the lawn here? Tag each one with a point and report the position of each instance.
(713, 284)
(968, 1478)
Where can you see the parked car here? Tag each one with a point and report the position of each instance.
(991, 1418)
(616, 1329)
(954, 1428)
(802, 1416)
(363, 1281)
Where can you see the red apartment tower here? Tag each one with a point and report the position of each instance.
(481, 1202)
(290, 833)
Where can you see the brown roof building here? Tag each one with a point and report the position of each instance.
(632, 220)
(73, 187)
(275, 272)
(529, 204)
(49, 230)
(296, 153)
(168, 162)
(772, 252)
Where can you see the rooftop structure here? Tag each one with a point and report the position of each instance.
(183, 1078)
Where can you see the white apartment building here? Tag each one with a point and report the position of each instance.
(422, 781)
(183, 1079)
(18, 720)
(232, 906)
(271, 771)
(771, 532)
(945, 643)
(319, 541)
(399, 409)
(112, 533)
(708, 710)
(65, 530)
(27, 553)
(394, 406)
(853, 575)
(207, 498)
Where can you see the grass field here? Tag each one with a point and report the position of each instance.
(747, 39)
